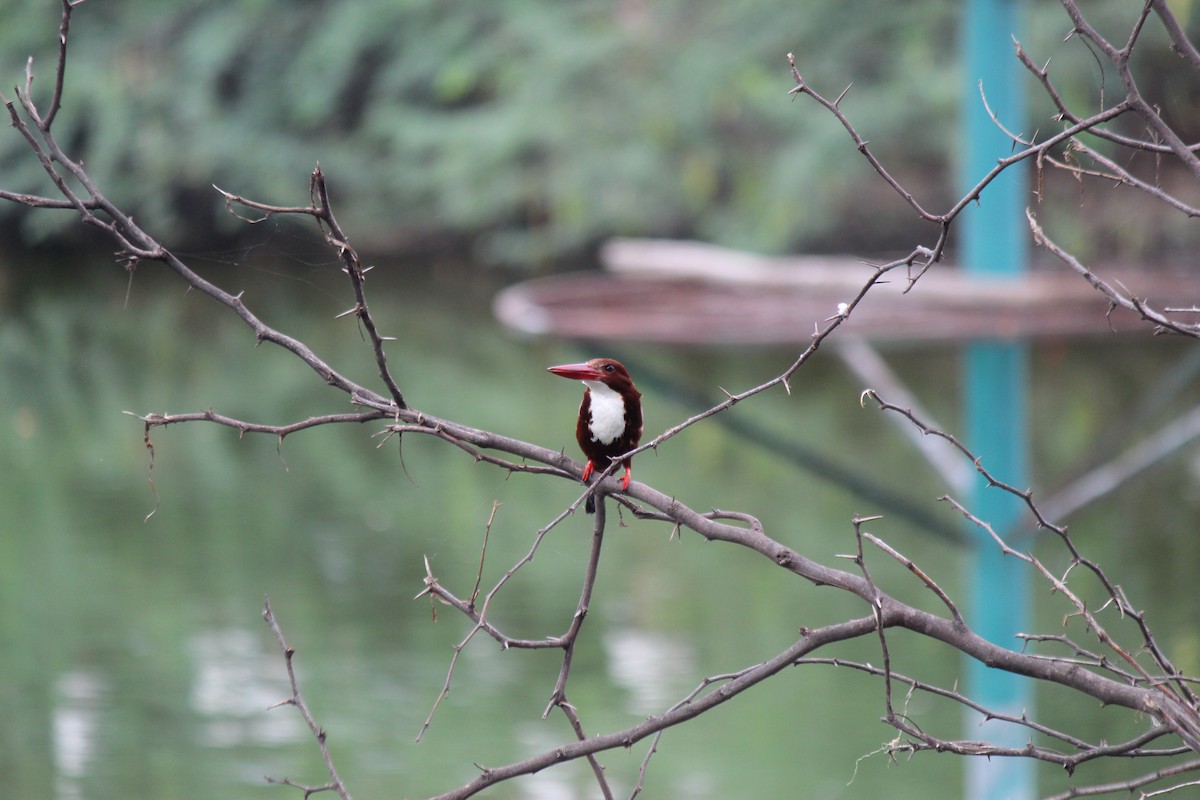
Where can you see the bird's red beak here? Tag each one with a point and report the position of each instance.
(579, 372)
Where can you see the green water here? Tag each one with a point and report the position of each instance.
(134, 663)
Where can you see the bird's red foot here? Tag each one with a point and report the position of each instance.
(587, 471)
(625, 480)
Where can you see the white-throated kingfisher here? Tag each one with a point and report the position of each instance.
(610, 416)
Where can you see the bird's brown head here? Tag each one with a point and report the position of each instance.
(608, 371)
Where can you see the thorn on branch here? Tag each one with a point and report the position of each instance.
(838, 102)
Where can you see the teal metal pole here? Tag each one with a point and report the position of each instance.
(993, 245)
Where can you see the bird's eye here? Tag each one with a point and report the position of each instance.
(608, 367)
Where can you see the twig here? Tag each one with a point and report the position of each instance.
(834, 108)
(335, 783)
(319, 207)
(558, 695)
(876, 602)
(687, 709)
(1179, 41)
(243, 427)
(915, 570)
(487, 531)
(1125, 787)
(479, 617)
(870, 367)
(1120, 60)
(1133, 304)
(572, 716)
(1180, 710)
(1086, 751)
(1119, 175)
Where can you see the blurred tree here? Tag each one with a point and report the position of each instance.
(521, 131)
(516, 132)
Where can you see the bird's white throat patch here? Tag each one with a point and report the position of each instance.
(607, 412)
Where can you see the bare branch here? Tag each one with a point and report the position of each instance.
(60, 71)
(243, 427)
(335, 783)
(1119, 58)
(1086, 751)
(1179, 41)
(319, 208)
(1117, 174)
(877, 609)
(559, 695)
(833, 107)
(1130, 303)
(1124, 787)
(685, 710)
(915, 570)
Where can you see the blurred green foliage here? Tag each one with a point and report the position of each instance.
(520, 131)
(529, 127)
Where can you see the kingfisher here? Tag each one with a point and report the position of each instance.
(610, 416)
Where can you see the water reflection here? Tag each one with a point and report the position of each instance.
(234, 686)
(549, 784)
(76, 717)
(649, 666)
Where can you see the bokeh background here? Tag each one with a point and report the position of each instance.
(470, 146)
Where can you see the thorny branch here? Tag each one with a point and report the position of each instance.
(1159, 690)
(1124, 787)
(320, 209)
(1084, 751)
(1115, 594)
(876, 601)
(335, 783)
(1142, 308)
(1119, 58)
(558, 697)
(1041, 152)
